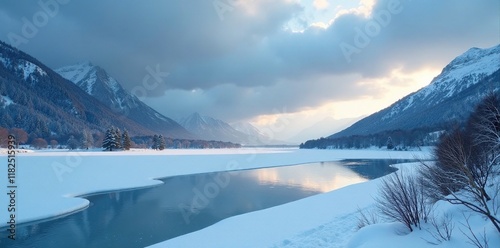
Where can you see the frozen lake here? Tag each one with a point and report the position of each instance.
(183, 204)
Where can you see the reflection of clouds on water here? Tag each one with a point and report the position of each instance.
(322, 177)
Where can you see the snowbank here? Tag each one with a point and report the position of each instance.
(388, 235)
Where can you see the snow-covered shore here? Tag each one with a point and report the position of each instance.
(331, 219)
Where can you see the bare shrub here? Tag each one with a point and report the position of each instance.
(366, 218)
(401, 198)
(478, 240)
(442, 228)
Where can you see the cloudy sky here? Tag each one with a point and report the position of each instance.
(283, 63)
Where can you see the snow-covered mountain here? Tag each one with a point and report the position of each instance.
(247, 129)
(44, 104)
(209, 128)
(99, 84)
(256, 136)
(96, 82)
(449, 98)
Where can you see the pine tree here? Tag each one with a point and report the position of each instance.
(161, 142)
(390, 145)
(126, 140)
(118, 138)
(155, 142)
(109, 140)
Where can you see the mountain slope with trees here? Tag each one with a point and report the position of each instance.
(98, 83)
(39, 101)
(447, 100)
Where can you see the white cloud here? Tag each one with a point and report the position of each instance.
(321, 4)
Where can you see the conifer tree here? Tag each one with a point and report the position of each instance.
(155, 142)
(118, 138)
(390, 145)
(126, 140)
(161, 142)
(109, 141)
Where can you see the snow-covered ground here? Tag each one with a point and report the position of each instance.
(325, 220)
(55, 178)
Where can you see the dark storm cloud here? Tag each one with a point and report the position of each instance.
(247, 60)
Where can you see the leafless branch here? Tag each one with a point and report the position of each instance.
(481, 241)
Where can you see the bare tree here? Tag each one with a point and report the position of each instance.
(401, 198)
(467, 162)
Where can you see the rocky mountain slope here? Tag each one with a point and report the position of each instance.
(99, 84)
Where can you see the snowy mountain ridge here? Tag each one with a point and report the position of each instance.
(461, 73)
(449, 97)
(98, 83)
(44, 104)
(209, 128)
(248, 129)
(26, 68)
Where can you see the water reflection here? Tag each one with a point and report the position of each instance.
(325, 177)
(184, 204)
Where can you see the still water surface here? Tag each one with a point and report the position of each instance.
(183, 204)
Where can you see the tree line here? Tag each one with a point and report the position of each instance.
(113, 139)
(393, 139)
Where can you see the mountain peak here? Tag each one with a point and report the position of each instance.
(449, 97)
(195, 115)
(86, 63)
(98, 83)
(209, 128)
(489, 59)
